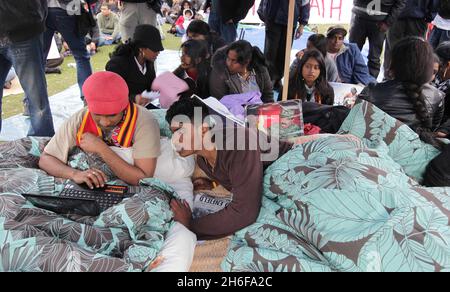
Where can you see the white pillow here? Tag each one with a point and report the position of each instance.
(176, 171)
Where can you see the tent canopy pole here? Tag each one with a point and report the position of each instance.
(290, 35)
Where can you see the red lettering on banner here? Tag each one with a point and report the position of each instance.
(321, 10)
(338, 7)
(322, 7)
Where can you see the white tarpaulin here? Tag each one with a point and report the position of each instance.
(322, 12)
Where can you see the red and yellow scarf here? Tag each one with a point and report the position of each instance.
(121, 136)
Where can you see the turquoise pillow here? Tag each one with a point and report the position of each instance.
(381, 132)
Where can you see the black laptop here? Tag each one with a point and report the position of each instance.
(81, 200)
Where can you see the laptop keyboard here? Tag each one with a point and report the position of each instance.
(105, 200)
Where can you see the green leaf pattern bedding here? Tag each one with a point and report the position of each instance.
(339, 204)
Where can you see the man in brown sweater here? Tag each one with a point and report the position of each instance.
(230, 157)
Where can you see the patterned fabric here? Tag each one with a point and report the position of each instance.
(164, 127)
(124, 238)
(380, 131)
(337, 204)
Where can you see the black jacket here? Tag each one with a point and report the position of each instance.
(388, 11)
(222, 83)
(328, 118)
(438, 171)
(126, 67)
(277, 11)
(21, 20)
(233, 9)
(420, 9)
(390, 97)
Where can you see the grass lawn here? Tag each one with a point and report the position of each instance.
(12, 105)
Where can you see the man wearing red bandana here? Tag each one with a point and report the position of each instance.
(126, 136)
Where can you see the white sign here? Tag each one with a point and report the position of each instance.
(322, 12)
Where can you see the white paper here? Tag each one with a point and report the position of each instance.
(341, 90)
(220, 109)
(53, 53)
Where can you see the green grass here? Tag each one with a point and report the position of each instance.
(12, 105)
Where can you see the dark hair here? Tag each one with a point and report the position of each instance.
(186, 107)
(319, 41)
(198, 51)
(247, 54)
(413, 66)
(184, 2)
(182, 8)
(323, 90)
(443, 52)
(436, 59)
(199, 27)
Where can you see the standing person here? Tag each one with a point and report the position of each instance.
(225, 16)
(275, 14)
(370, 23)
(137, 12)
(63, 18)
(412, 21)
(22, 25)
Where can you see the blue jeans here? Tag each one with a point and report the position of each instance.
(67, 25)
(104, 42)
(438, 36)
(28, 60)
(227, 31)
(180, 32)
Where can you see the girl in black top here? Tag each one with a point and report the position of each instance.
(135, 61)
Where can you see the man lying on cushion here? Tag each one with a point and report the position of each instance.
(228, 157)
(125, 136)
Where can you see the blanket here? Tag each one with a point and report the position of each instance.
(126, 237)
(342, 204)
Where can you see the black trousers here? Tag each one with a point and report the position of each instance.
(275, 50)
(363, 29)
(400, 29)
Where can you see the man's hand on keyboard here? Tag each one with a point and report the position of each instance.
(94, 178)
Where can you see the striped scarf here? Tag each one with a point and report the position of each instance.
(121, 136)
